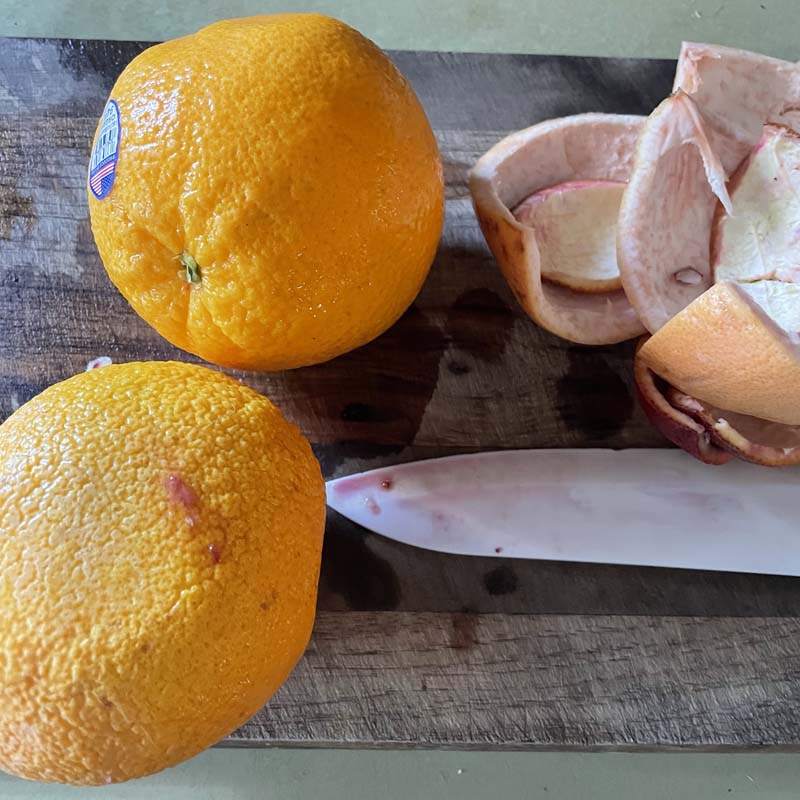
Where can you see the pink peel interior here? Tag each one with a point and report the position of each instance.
(689, 146)
(710, 434)
(587, 147)
(675, 424)
(751, 439)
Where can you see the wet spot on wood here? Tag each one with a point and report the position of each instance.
(364, 580)
(457, 368)
(592, 397)
(463, 626)
(363, 412)
(480, 324)
(390, 383)
(500, 581)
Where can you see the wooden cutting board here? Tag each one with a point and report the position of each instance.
(414, 648)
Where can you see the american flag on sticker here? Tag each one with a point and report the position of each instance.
(103, 164)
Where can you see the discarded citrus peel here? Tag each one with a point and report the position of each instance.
(711, 434)
(689, 146)
(707, 246)
(579, 152)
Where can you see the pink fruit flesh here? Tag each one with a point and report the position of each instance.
(575, 225)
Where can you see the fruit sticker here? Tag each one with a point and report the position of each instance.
(103, 164)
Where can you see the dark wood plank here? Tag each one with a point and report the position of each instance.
(464, 369)
(675, 658)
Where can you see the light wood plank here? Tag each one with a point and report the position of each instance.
(516, 681)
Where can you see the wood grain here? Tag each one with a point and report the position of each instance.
(415, 648)
(464, 369)
(616, 682)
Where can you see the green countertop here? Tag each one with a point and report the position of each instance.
(406, 775)
(613, 27)
(652, 28)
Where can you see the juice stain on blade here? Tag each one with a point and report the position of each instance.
(366, 484)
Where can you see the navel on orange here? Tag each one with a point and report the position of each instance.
(160, 539)
(273, 192)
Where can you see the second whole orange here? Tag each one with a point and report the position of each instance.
(160, 540)
(267, 193)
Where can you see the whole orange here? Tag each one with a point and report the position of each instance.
(160, 539)
(272, 193)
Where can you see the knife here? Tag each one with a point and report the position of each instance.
(646, 507)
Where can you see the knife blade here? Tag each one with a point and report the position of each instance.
(644, 507)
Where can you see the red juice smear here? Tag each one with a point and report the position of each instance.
(360, 483)
(180, 493)
(370, 503)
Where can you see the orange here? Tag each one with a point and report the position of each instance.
(277, 197)
(160, 539)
